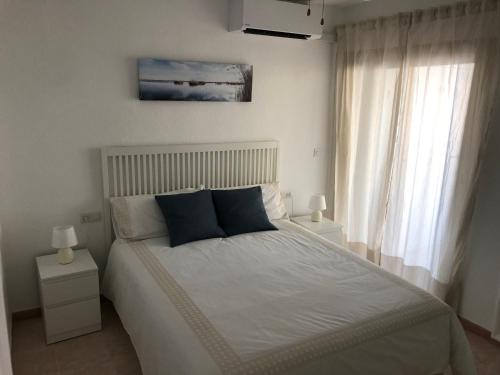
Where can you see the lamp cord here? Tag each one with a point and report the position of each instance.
(322, 13)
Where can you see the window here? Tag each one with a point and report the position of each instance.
(425, 170)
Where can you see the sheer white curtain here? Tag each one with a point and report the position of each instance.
(368, 60)
(410, 131)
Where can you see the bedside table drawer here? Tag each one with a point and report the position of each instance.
(67, 290)
(334, 237)
(72, 317)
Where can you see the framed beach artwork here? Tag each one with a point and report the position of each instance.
(194, 81)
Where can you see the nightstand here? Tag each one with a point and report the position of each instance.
(69, 295)
(325, 228)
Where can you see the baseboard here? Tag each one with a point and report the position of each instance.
(27, 314)
(478, 330)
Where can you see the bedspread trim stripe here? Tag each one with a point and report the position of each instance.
(218, 348)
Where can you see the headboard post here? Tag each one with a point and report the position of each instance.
(108, 230)
(144, 170)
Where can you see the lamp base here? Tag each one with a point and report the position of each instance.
(65, 256)
(317, 216)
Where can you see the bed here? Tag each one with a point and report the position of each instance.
(276, 302)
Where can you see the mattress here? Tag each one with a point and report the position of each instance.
(277, 302)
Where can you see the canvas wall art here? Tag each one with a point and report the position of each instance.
(194, 81)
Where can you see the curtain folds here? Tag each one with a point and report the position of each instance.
(413, 100)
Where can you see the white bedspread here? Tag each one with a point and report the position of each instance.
(283, 301)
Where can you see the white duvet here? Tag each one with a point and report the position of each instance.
(278, 302)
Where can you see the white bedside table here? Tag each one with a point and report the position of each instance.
(325, 228)
(69, 296)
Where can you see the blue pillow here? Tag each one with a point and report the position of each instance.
(241, 211)
(189, 217)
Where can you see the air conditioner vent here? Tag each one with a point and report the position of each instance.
(279, 34)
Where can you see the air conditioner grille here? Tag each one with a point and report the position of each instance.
(280, 34)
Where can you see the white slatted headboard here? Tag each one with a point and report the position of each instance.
(141, 170)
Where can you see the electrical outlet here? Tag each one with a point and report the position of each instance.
(286, 194)
(91, 217)
(316, 152)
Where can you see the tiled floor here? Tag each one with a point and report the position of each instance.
(486, 353)
(109, 352)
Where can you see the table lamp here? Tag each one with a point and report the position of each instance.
(63, 238)
(317, 204)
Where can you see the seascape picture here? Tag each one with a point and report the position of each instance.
(194, 81)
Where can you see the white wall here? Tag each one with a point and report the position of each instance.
(68, 86)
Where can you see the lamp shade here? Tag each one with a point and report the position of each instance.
(63, 237)
(317, 202)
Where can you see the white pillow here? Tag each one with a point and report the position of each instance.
(273, 202)
(139, 217)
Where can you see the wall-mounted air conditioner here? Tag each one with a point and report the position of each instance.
(275, 18)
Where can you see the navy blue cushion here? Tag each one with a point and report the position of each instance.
(190, 217)
(241, 211)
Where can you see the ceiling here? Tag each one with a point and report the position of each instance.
(333, 2)
(329, 2)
